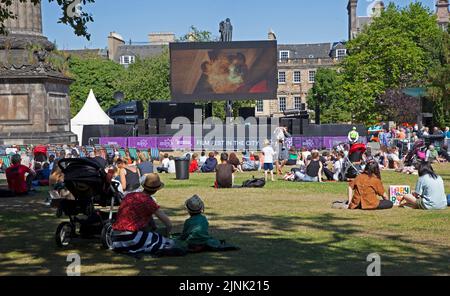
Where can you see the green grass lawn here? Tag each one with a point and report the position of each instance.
(283, 229)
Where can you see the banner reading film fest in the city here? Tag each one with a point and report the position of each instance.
(185, 143)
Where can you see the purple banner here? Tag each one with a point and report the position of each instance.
(307, 142)
(143, 142)
(175, 143)
(121, 142)
(331, 142)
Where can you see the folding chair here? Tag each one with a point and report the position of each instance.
(133, 153)
(154, 153)
(122, 152)
(6, 161)
(145, 154)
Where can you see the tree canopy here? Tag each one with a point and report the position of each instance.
(147, 79)
(95, 73)
(77, 21)
(402, 48)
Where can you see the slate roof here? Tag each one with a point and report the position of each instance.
(307, 51)
(87, 52)
(142, 51)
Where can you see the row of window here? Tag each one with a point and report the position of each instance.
(297, 77)
(282, 104)
(286, 54)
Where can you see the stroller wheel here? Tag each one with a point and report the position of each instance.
(106, 236)
(64, 234)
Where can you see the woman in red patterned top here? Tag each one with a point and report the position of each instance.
(134, 230)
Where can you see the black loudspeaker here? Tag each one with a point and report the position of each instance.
(296, 127)
(169, 111)
(90, 132)
(128, 120)
(143, 127)
(208, 110)
(153, 126)
(247, 112)
(161, 126)
(127, 113)
(133, 108)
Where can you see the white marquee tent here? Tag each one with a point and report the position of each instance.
(90, 114)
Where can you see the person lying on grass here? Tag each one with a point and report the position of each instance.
(430, 191)
(364, 190)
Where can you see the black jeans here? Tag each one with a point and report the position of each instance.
(385, 205)
(162, 170)
(329, 174)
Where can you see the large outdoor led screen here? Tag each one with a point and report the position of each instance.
(223, 70)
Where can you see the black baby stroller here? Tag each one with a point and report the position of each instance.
(91, 186)
(352, 163)
(416, 154)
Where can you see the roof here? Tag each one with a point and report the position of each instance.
(91, 113)
(142, 51)
(87, 52)
(306, 51)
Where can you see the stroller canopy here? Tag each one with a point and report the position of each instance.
(358, 148)
(82, 170)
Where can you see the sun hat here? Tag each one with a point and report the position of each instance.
(152, 183)
(195, 205)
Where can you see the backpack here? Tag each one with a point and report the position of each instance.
(254, 183)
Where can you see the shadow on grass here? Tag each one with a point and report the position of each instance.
(317, 244)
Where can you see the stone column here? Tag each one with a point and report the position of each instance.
(352, 19)
(28, 21)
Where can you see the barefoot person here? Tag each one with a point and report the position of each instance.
(430, 191)
(134, 230)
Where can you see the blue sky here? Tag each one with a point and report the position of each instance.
(294, 21)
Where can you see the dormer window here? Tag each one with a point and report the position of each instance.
(127, 60)
(341, 53)
(284, 55)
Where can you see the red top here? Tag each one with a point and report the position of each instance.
(15, 176)
(193, 167)
(135, 212)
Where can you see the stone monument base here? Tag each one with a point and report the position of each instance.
(37, 138)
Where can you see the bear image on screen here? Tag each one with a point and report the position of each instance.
(223, 70)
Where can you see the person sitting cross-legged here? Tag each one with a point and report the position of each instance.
(210, 164)
(135, 230)
(224, 173)
(15, 176)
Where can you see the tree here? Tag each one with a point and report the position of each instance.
(439, 84)
(71, 15)
(327, 92)
(196, 35)
(95, 73)
(147, 79)
(394, 52)
(389, 103)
